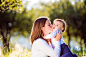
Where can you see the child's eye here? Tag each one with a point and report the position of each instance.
(56, 25)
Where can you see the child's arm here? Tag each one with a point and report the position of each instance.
(52, 34)
(62, 40)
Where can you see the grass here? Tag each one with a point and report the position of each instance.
(80, 53)
(18, 51)
(27, 53)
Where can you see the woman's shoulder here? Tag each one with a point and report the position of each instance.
(39, 40)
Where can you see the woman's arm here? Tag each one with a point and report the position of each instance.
(49, 51)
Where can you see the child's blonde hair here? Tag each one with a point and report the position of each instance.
(63, 22)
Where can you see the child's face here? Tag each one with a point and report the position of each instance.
(57, 25)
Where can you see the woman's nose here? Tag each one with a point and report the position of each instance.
(51, 25)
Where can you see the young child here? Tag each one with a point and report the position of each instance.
(60, 25)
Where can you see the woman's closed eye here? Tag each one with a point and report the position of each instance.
(49, 25)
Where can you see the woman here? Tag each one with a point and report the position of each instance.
(41, 47)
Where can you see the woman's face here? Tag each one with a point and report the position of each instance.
(47, 28)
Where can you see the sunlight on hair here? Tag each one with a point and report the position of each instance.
(43, 17)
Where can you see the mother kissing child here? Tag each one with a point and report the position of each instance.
(51, 46)
(41, 47)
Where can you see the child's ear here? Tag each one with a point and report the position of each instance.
(62, 28)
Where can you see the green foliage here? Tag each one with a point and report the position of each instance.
(74, 15)
(13, 20)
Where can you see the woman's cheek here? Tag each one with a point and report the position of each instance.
(48, 29)
(51, 29)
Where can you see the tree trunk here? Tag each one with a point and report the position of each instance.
(5, 42)
(68, 33)
(81, 45)
(84, 37)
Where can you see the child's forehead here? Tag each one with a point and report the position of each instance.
(57, 21)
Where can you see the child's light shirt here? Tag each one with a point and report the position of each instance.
(53, 34)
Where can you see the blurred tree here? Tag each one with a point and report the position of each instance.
(73, 14)
(13, 21)
(60, 9)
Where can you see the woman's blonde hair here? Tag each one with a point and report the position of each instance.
(36, 29)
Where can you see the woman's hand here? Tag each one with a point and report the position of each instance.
(58, 36)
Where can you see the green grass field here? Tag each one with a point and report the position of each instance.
(18, 51)
(27, 53)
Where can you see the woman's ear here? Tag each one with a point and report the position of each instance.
(42, 28)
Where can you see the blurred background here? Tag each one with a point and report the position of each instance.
(17, 17)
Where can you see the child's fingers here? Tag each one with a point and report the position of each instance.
(60, 32)
(57, 31)
(61, 35)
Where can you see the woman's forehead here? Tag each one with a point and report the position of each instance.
(48, 21)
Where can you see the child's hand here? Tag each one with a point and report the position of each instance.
(58, 36)
(59, 31)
